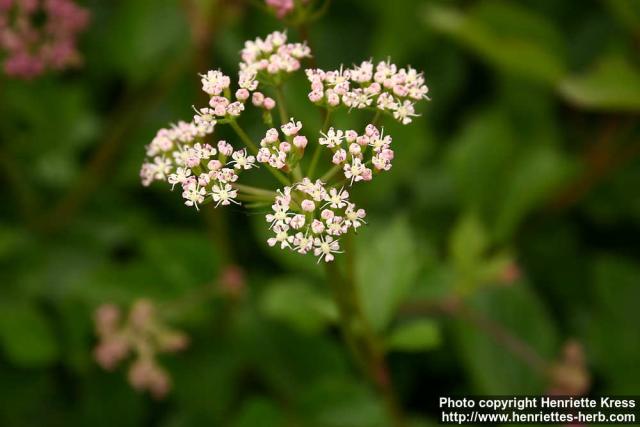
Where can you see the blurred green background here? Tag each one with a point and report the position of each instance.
(516, 194)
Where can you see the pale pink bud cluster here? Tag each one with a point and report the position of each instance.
(280, 153)
(310, 217)
(203, 171)
(40, 35)
(141, 334)
(356, 152)
(222, 105)
(385, 88)
(282, 8)
(273, 55)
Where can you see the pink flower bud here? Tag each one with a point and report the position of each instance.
(371, 130)
(300, 141)
(316, 96)
(271, 136)
(257, 99)
(351, 135)
(317, 226)
(327, 214)
(269, 104)
(214, 165)
(363, 140)
(225, 148)
(308, 205)
(285, 147)
(242, 94)
(339, 157)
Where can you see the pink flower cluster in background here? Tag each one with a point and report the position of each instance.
(39, 35)
(143, 334)
(282, 8)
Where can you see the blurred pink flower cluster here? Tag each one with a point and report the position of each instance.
(141, 333)
(282, 7)
(39, 35)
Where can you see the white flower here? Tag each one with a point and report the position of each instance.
(242, 161)
(303, 244)
(214, 82)
(325, 247)
(337, 199)
(179, 177)
(280, 215)
(204, 120)
(161, 167)
(281, 237)
(354, 217)
(193, 194)
(291, 128)
(336, 226)
(355, 171)
(224, 194)
(405, 112)
(332, 138)
(235, 108)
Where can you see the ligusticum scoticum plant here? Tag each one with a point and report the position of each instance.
(309, 213)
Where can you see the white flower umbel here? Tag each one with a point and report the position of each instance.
(387, 89)
(318, 214)
(311, 215)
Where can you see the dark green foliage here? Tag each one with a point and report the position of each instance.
(516, 195)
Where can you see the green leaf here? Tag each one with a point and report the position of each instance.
(26, 336)
(479, 157)
(150, 37)
(258, 411)
(337, 402)
(536, 174)
(492, 366)
(468, 242)
(299, 304)
(507, 36)
(627, 12)
(420, 335)
(387, 268)
(612, 85)
(613, 340)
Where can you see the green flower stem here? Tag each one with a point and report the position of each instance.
(282, 108)
(376, 117)
(330, 173)
(253, 198)
(254, 149)
(318, 150)
(358, 333)
(254, 190)
(297, 173)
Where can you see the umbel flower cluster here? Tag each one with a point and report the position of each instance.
(141, 333)
(39, 35)
(309, 212)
